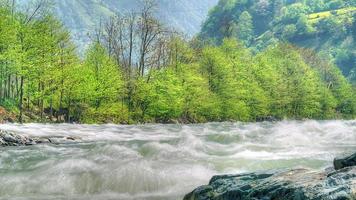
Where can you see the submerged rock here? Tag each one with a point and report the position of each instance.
(61, 140)
(13, 139)
(297, 184)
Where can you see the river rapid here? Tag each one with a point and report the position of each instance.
(160, 162)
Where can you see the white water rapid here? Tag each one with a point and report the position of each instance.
(160, 162)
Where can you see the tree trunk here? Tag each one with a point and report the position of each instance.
(21, 98)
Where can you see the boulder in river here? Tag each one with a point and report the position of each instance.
(349, 161)
(297, 184)
(13, 139)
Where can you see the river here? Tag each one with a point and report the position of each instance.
(160, 162)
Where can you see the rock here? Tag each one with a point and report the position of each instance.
(340, 163)
(62, 140)
(12, 139)
(71, 138)
(2, 142)
(297, 184)
(268, 119)
(9, 138)
(42, 141)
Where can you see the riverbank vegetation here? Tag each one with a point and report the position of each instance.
(137, 70)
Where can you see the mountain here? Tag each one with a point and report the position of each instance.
(326, 26)
(83, 16)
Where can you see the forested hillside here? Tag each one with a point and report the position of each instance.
(82, 17)
(327, 26)
(139, 71)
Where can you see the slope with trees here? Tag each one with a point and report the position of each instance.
(327, 26)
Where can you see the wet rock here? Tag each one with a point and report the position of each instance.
(42, 141)
(340, 163)
(2, 142)
(297, 184)
(9, 138)
(12, 139)
(71, 138)
(62, 140)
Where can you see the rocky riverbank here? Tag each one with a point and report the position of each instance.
(13, 139)
(298, 184)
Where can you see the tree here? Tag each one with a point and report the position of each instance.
(277, 7)
(25, 38)
(136, 70)
(333, 25)
(303, 26)
(291, 13)
(289, 32)
(316, 5)
(168, 96)
(245, 28)
(296, 88)
(149, 30)
(200, 104)
(105, 79)
(8, 46)
(228, 80)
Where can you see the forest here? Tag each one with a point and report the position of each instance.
(326, 26)
(137, 70)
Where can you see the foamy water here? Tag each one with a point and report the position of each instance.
(161, 162)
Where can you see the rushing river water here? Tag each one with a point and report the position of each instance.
(160, 162)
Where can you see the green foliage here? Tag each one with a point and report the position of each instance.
(167, 98)
(222, 81)
(298, 94)
(324, 25)
(289, 31)
(200, 104)
(41, 74)
(108, 113)
(104, 82)
(245, 28)
(291, 13)
(304, 27)
(10, 105)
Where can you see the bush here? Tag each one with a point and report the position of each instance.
(116, 113)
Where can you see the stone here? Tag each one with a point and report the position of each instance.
(9, 138)
(42, 140)
(61, 140)
(2, 142)
(340, 163)
(296, 184)
(71, 138)
(12, 139)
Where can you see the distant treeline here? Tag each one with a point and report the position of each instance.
(137, 70)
